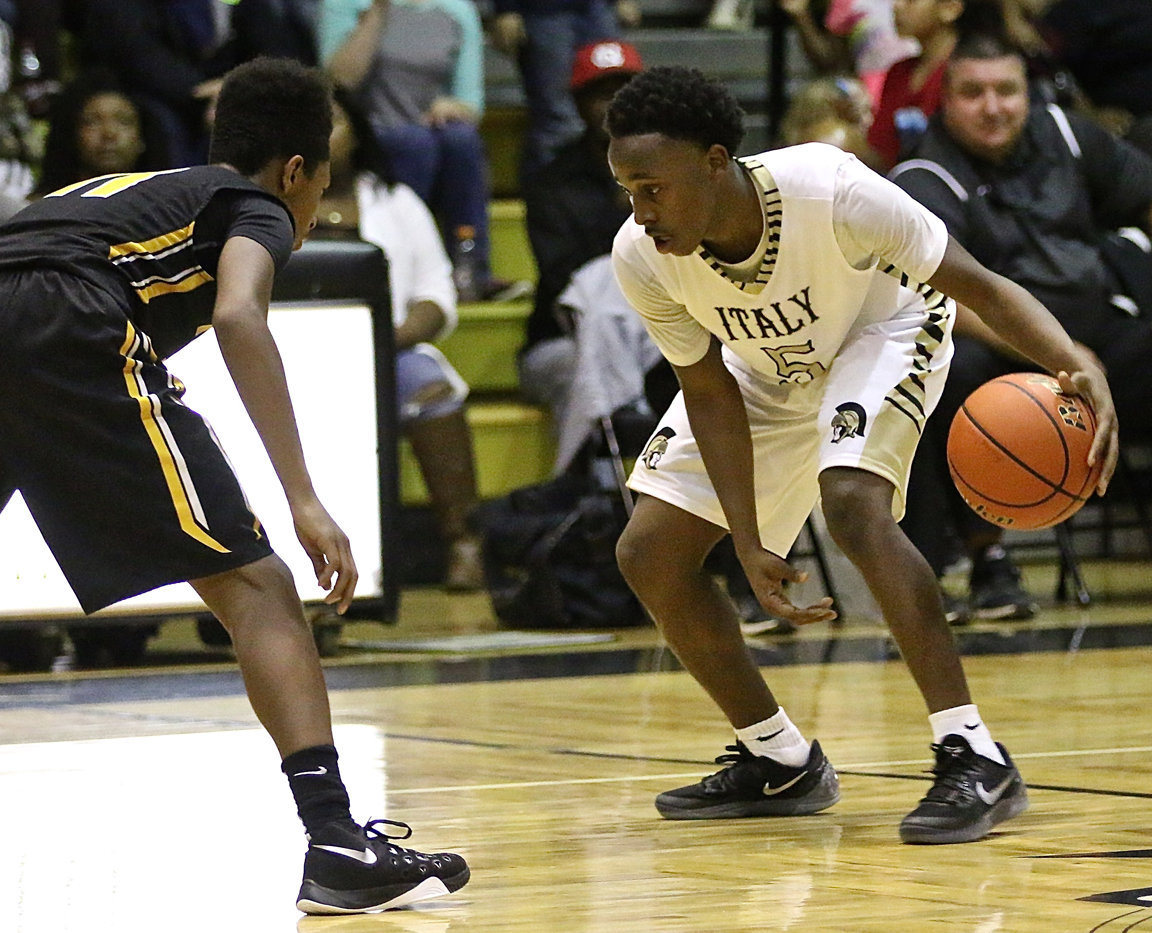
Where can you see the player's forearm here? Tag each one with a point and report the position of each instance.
(1008, 310)
(1029, 328)
(254, 362)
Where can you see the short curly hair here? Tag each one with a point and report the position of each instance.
(272, 108)
(680, 103)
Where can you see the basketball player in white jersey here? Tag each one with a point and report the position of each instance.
(801, 300)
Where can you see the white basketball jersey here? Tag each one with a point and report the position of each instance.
(839, 350)
(788, 324)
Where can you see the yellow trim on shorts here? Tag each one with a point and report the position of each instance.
(150, 417)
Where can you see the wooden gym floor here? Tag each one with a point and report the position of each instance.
(149, 800)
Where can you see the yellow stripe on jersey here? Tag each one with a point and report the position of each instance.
(163, 287)
(108, 185)
(154, 245)
(180, 487)
(75, 186)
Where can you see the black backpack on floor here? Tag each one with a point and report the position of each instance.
(550, 556)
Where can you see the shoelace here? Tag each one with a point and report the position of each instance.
(411, 856)
(949, 773)
(720, 779)
(737, 754)
(372, 832)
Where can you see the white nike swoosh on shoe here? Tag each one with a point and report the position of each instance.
(991, 796)
(770, 791)
(320, 770)
(366, 856)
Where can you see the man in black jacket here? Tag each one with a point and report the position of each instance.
(1032, 192)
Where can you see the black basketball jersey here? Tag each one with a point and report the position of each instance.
(151, 240)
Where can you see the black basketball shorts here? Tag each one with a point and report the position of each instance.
(128, 486)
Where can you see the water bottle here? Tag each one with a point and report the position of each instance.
(464, 265)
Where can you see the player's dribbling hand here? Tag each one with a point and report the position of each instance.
(330, 552)
(1091, 383)
(767, 573)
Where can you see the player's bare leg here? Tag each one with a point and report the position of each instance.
(858, 509)
(661, 554)
(261, 610)
(259, 607)
(977, 786)
(772, 770)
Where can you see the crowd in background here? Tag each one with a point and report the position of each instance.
(90, 87)
(415, 68)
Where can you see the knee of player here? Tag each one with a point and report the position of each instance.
(634, 555)
(854, 504)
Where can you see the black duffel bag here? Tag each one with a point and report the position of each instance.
(550, 557)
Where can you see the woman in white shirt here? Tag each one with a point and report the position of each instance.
(430, 394)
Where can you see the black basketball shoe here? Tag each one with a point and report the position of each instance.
(970, 795)
(749, 785)
(349, 870)
(995, 590)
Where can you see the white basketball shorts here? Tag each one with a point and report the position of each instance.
(867, 412)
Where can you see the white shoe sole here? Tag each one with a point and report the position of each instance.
(426, 890)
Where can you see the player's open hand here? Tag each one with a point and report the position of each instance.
(330, 552)
(767, 573)
(1091, 383)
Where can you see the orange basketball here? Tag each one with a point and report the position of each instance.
(1018, 451)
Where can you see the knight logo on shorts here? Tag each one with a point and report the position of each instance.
(657, 447)
(849, 421)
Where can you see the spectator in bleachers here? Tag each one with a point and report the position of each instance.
(849, 37)
(734, 15)
(1107, 46)
(365, 201)
(1032, 192)
(832, 110)
(35, 53)
(415, 68)
(574, 209)
(20, 148)
(96, 129)
(911, 90)
(19, 154)
(173, 55)
(542, 36)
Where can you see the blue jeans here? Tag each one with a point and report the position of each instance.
(427, 385)
(545, 62)
(446, 166)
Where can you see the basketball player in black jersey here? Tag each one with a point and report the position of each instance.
(99, 283)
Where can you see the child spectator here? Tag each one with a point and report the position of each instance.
(849, 36)
(911, 90)
(96, 129)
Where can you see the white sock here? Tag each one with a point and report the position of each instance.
(776, 738)
(965, 722)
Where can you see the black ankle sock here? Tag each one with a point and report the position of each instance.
(314, 777)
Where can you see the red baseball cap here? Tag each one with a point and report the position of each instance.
(601, 59)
